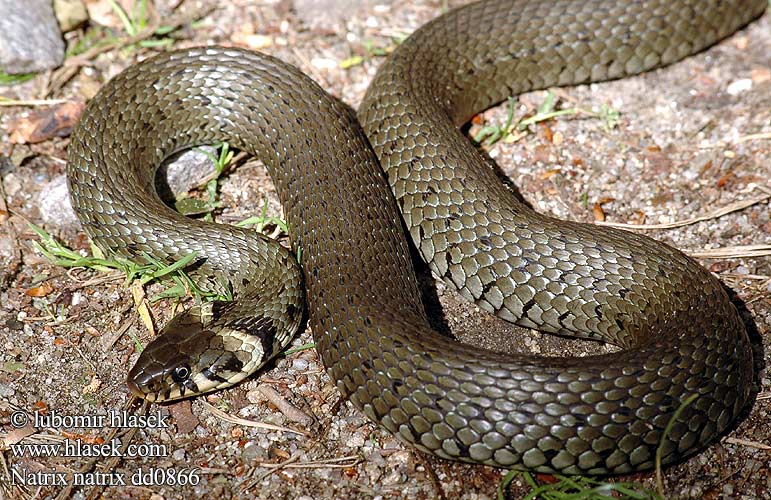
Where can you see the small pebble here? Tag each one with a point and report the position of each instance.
(6, 391)
(738, 86)
(355, 441)
(395, 477)
(300, 364)
(324, 63)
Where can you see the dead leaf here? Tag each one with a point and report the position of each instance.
(86, 438)
(278, 452)
(40, 291)
(15, 436)
(42, 125)
(550, 173)
(724, 179)
(140, 301)
(547, 132)
(183, 417)
(599, 214)
(542, 153)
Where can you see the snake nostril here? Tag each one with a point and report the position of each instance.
(134, 388)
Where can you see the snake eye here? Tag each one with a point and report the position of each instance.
(181, 373)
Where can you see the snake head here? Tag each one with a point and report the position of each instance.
(192, 356)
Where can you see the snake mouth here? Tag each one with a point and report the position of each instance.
(142, 384)
(135, 389)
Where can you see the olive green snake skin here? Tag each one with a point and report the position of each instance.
(679, 332)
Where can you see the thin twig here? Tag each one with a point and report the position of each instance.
(753, 137)
(322, 463)
(288, 409)
(732, 252)
(72, 65)
(30, 102)
(746, 442)
(251, 423)
(731, 207)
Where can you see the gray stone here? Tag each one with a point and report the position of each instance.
(184, 171)
(30, 39)
(54, 203)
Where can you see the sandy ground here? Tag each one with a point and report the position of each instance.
(683, 148)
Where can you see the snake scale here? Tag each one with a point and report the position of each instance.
(679, 333)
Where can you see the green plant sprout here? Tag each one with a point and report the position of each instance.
(490, 134)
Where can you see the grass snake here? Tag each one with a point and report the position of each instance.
(679, 332)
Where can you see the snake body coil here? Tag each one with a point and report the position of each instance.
(600, 414)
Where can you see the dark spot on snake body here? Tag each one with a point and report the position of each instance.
(487, 286)
(529, 305)
(463, 449)
(218, 307)
(291, 310)
(190, 384)
(562, 317)
(421, 232)
(486, 242)
(233, 364)
(550, 454)
(598, 311)
(448, 260)
(622, 293)
(205, 100)
(245, 282)
(620, 325)
(260, 327)
(210, 375)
